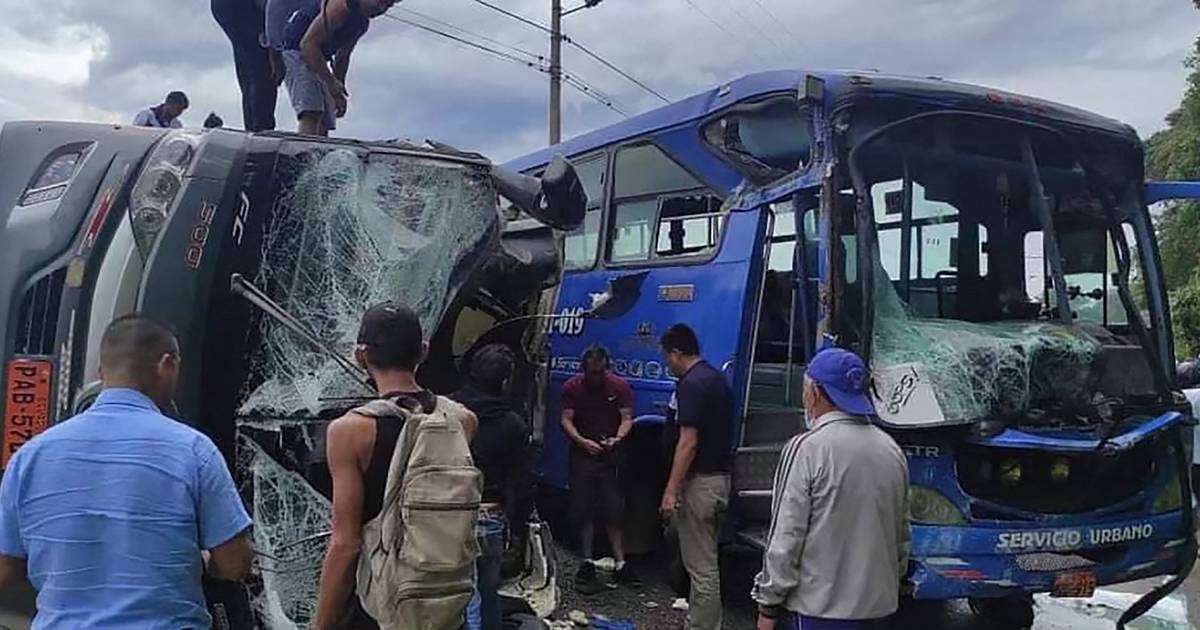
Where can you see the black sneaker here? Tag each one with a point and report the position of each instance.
(626, 575)
(585, 579)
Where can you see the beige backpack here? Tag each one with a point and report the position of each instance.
(417, 563)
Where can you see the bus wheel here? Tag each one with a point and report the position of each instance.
(1013, 611)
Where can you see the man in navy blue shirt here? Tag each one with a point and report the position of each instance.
(697, 490)
(115, 514)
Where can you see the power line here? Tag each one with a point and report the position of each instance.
(722, 28)
(574, 82)
(775, 18)
(610, 66)
(599, 96)
(774, 41)
(581, 47)
(514, 16)
(476, 45)
(430, 18)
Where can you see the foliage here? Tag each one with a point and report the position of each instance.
(1174, 154)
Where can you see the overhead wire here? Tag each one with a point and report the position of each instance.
(761, 33)
(775, 18)
(430, 18)
(515, 16)
(538, 64)
(585, 50)
(464, 41)
(717, 23)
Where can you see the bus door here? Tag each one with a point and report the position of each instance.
(782, 342)
(666, 253)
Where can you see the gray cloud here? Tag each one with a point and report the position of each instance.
(105, 60)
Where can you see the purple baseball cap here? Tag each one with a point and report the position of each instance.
(843, 376)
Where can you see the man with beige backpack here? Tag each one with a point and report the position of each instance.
(406, 494)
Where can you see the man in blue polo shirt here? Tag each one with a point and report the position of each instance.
(115, 513)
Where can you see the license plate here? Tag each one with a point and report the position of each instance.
(26, 402)
(1074, 584)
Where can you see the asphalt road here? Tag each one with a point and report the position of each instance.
(648, 604)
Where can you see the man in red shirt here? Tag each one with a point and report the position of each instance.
(597, 415)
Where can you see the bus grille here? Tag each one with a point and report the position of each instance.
(1053, 483)
(37, 320)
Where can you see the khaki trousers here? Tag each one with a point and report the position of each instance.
(703, 500)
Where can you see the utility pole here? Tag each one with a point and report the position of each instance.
(556, 40)
(555, 71)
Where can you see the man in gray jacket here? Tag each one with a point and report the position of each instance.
(839, 538)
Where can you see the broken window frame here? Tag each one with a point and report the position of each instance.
(619, 198)
(863, 223)
(744, 161)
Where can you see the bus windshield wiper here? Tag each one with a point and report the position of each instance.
(252, 294)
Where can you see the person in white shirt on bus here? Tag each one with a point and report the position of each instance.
(165, 114)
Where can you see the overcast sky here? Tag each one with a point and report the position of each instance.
(102, 61)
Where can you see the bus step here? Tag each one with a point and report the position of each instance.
(754, 505)
(754, 536)
(754, 467)
(772, 426)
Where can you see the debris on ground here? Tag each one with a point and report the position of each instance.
(680, 604)
(1103, 609)
(578, 617)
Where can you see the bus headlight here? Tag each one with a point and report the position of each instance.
(930, 507)
(158, 185)
(1010, 472)
(1060, 470)
(1168, 499)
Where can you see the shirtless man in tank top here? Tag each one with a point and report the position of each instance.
(359, 451)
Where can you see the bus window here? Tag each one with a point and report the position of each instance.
(632, 230)
(688, 224)
(646, 170)
(1090, 269)
(580, 245)
(660, 210)
(764, 140)
(591, 171)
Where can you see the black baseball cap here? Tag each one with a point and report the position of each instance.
(389, 324)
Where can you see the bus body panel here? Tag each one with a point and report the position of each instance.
(716, 309)
(998, 549)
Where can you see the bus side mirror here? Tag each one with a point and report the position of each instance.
(556, 199)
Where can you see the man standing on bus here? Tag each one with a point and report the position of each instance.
(698, 488)
(597, 415)
(838, 543)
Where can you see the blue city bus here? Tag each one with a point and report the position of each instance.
(990, 254)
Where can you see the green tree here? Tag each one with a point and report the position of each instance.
(1174, 154)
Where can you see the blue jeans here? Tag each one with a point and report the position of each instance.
(483, 612)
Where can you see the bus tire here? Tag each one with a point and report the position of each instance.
(1012, 611)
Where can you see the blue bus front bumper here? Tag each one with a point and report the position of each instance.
(951, 562)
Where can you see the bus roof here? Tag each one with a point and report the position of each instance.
(839, 87)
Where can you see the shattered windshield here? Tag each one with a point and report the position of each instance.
(1002, 266)
(350, 228)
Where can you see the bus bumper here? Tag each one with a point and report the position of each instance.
(954, 562)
